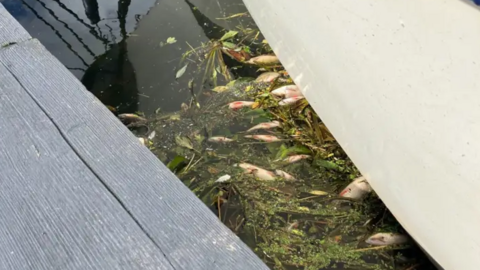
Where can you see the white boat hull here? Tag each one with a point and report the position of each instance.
(398, 84)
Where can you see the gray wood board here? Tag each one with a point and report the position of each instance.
(55, 214)
(186, 231)
(10, 29)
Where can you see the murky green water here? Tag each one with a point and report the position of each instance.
(119, 50)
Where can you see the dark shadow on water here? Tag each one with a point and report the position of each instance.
(111, 78)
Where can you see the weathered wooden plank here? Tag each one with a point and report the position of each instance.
(179, 223)
(10, 29)
(55, 213)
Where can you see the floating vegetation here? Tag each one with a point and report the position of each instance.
(286, 188)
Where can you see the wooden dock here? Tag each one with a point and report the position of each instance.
(77, 189)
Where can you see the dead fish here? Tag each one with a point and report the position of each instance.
(256, 171)
(220, 139)
(247, 166)
(293, 159)
(289, 101)
(264, 60)
(130, 118)
(240, 104)
(267, 77)
(223, 178)
(387, 239)
(287, 91)
(263, 174)
(357, 189)
(142, 141)
(267, 125)
(285, 175)
(265, 138)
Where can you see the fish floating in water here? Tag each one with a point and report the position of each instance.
(256, 171)
(387, 239)
(220, 139)
(267, 77)
(285, 175)
(240, 104)
(264, 60)
(130, 118)
(290, 101)
(266, 125)
(295, 158)
(142, 141)
(357, 189)
(265, 138)
(287, 91)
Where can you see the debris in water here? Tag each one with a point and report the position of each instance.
(181, 71)
(171, 40)
(265, 138)
(264, 60)
(152, 135)
(289, 101)
(287, 91)
(223, 178)
(220, 139)
(142, 141)
(240, 104)
(267, 77)
(357, 189)
(285, 175)
(184, 107)
(220, 89)
(318, 192)
(184, 142)
(267, 125)
(387, 239)
(295, 158)
(229, 35)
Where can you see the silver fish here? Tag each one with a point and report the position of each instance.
(289, 101)
(293, 159)
(287, 91)
(267, 77)
(265, 138)
(387, 239)
(264, 60)
(357, 189)
(285, 175)
(220, 139)
(267, 125)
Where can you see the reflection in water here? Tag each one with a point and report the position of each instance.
(122, 64)
(91, 10)
(111, 77)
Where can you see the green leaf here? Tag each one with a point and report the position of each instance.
(184, 142)
(229, 45)
(327, 165)
(175, 163)
(171, 40)
(181, 71)
(228, 35)
(284, 152)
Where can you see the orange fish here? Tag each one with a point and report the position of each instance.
(240, 104)
(293, 159)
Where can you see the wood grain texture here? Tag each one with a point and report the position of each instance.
(55, 214)
(185, 230)
(10, 29)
